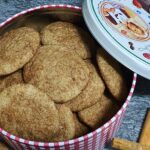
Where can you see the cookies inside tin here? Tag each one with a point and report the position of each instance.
(74, 74)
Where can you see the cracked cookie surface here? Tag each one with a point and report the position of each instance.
(60, 73)
(32, 116)
(67, 34)
(67, 124)
(111, 73)
(17, 47)
(98, 114)
(91, 94)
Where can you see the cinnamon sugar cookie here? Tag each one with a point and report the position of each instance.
(67, 124)
(27, 112)
(67, 34)
(17, 47)
(91, 94)
(112, 75)
(57, 72)
(99, 113)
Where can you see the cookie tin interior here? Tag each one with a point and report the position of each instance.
(122, 27)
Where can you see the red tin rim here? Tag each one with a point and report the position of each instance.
(76, 140)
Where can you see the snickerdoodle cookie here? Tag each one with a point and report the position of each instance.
(111, 73)
(68, 34)
(67, 124)
(17, 47)
(91, 94)
(27, 112)
(60, 73)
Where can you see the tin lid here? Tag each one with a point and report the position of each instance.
(122, 27)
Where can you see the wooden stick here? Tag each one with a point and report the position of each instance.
(127, 145)
(145, 135)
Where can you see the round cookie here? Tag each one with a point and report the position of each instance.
(17, 47)
(67, 124)
(75, 38)
(98, 114)
(58, 32)
(112, 75)
(60, 73)
(28, 113)
(14, 78)
(3, 146)
(91, 94)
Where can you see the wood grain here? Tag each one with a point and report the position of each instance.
(121, 144)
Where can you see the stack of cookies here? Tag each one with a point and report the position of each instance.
(55, 84)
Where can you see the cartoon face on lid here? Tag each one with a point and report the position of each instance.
(135, 28)
(124, 20)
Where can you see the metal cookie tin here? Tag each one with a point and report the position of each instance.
(122, 27)
(94, 140)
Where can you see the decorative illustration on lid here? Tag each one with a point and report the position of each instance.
(124, 20)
